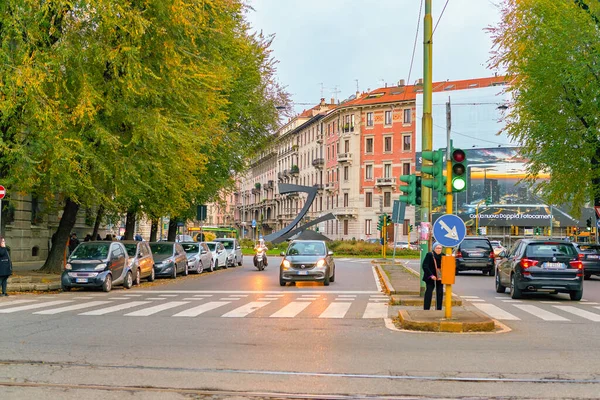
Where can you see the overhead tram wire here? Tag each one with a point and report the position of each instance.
(412, 58)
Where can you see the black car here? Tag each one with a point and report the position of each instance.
(307, 260)
(475, 253)
(589, 254)
(169, 259)
(535, 265)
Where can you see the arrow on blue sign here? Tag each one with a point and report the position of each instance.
(449, 230)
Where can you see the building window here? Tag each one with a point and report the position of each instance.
(367, 226)
(388, 117)
(345, 227)
(406, 169)
(368, 172)
(387, 199)
(369, 119)
(407, 115)
(345, 199)
(387, 144)
(368, 199)
(387, 170)
(346, 146)
(369, 146)
(346, 173)
(406, 142)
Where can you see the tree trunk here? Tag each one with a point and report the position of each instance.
(154, 230)
(129, 225)
(172, 229)
(56, 257)
(99, 216)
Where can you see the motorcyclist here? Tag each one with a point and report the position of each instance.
(260, 246)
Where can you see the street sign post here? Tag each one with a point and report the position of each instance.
(449, 230)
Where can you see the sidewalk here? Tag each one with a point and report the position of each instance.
(26, 279)
(403, 286)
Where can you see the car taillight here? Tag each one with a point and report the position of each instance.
(580, 256)
(576, 264)
(458, 254)
(527, 263)
(492, 255)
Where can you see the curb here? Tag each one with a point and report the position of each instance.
(416, 301)
(386, 284)
(487, 325)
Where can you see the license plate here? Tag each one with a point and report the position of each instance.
(302, 272)
(553, 265)
(593, 257)
(476, 254)
(81, 280)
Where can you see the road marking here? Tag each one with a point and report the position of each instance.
(580, 313)
(34, 306)
(348, 295)
(336, 310)
(551, 302)
(156, 298)
(311, 295)
(72, 307)
(512, 301)
(469, 297)
(376, 278)
(153, 310)
(233, 295)
(376, 310)
(590, 303)
(246, 309)
(83, 298)
(268, 299)
(203, 295)
(119, 298)
(195, 311)
(229, 298)
(118, 307)
(13, 302)
(540, 313)
(474, 300)
(168, 295)
(307, 299)
(496, 312)
(133, 295)
(291, 310)
(264, 292)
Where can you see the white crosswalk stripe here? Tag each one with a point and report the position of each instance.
(246, 309)
(540, 312)
(290, 310)
(72, 307)
(496, 312)
(336, 310)
(13, 302)
(376, 310)
(153, 310)
(580, 313)
(195, 311)
(33, 306)
(118, 307)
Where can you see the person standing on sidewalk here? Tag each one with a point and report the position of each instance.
(5, 265)
(432, 276)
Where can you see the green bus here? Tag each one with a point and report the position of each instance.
(220, 232)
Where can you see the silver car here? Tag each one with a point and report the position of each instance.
(219, 255)
(199, 257)
(234, 250)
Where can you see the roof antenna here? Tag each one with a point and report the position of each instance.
(356, 80)
(322, 89)
(335, 92)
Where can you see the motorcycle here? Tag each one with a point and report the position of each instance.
(260, 259)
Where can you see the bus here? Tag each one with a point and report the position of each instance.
(220, 232)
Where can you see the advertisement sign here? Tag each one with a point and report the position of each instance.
(425, 231)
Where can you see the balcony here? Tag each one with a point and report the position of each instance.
(318, 162)
(294, 171)
(319, 186)
(319, 138)
(347, 128)
(381, 182)
(269, 185)
(344, 157)
(330, 186)
(286, 173)
(345, 212)
(256, 191)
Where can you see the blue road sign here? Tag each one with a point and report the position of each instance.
(598, 224)
(449, 230)
(254, 223)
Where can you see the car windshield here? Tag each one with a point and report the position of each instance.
(211, 246)
(91, 251)
(227, 244)
(590, 248)
(306, 249)
(161, 248)
(550, 250)
(495, 244)
(131, 249)
(475, 245)
(190, 247)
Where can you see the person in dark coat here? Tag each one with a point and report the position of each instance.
(432, 265)
(73, 242)
(5, 266)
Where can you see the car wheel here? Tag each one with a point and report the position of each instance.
(515, 292)
(185, 270)
(281, 281)
(456, 271)
(152, 276)
(241, 261)
(587, 276)
(174, 274)
(499, 287)
(66, 288)
(576, 295)
(332, 279)
(107, 285)
(138, 277)
(212, 265)
(216, 265)
(326, 280)
(128, 282)
(200, 268)
(226, 265)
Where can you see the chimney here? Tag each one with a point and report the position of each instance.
(420, 81)
(401, 82)
(322, 101)
(386, 84)
(332, 100)
(357, 94)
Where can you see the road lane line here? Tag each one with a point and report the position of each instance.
(336, 310)
(376, 277)
(13, 302)
(153, 310)
(34, 306)
(73, 307)
(376, 310)
(540, 313)
(580, 313)
(469, 297)
(246, 309)
(496, 312)
(118, 307)
(195, 311)
(291, 310)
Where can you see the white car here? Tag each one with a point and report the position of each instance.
(199, 257)
(497, 246)
(219, 254)
(233, 248)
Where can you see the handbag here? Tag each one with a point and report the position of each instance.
(438, 272)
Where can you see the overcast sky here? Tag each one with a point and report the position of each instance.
(336, 42)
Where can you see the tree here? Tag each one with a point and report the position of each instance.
(550, 50)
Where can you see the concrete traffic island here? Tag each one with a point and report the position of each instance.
(433, 321)
(30, 281)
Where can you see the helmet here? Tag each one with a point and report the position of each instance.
(261, 242)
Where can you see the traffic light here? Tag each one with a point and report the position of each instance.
(436, 170)
(441, 199)
(537, 230)
(383, 221)
(589, 224)
(459, 170)
(418, 187)
(410, 189)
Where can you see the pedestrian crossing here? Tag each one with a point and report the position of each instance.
(507, 309)
(331, 305)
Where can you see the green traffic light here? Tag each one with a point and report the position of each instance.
(458, 183)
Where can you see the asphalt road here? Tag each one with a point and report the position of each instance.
(238, 330)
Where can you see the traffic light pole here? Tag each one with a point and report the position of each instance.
(448, 298)
(427, 133)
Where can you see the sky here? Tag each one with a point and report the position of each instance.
(337, 42)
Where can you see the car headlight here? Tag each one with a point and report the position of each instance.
(286, 264)
(100, 267)
(193, 259)
(68, 266)
(320, 263)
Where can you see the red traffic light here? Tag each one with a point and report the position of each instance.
(458, 155)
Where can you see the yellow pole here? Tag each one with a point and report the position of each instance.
(448, 299)
(384, 230)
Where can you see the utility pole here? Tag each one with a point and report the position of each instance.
(448, 295)
(426, 135)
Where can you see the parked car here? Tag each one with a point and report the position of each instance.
(184, 238)
(219, 254)
(307, 260)
(169, 259)
(497, 246)
(199, 257)
(403, 245)
(373, 240)
(97, 265)
(589, 254)
(537, 265)
(234, 250)
(141, 261)
(475, 253)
